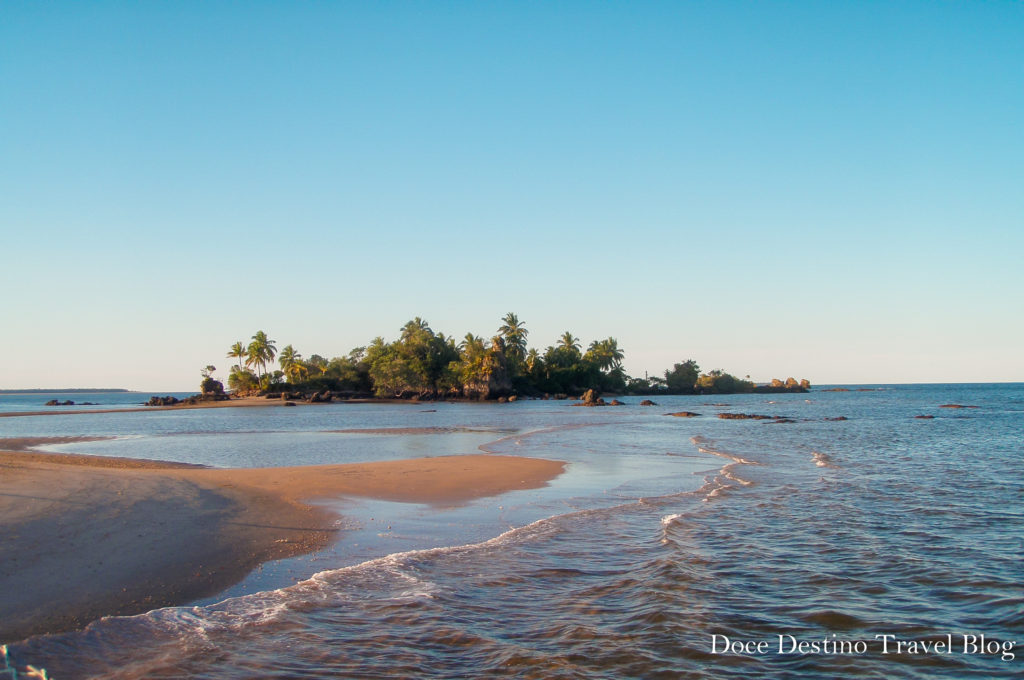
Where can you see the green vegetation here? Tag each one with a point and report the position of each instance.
(428, 365)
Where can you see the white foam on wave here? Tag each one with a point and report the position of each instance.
(823, 460)
(668, 519)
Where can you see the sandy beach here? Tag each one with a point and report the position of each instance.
(83, 537)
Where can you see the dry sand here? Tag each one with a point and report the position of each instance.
(87, 536)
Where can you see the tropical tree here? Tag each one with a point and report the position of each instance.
(514, 333)
(237, 351)
(241, 380)
(291, 364)
(318, 362)
(682, 378)
(261, 351)
(533, 360)
(605, 354)
(418, 363)
(569, 343)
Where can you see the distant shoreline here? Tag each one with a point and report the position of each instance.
(67, 390)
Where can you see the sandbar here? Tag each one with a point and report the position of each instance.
(83, 537)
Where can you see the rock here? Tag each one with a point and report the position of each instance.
(745, 416)
(647, 402)
(597, 402)
(53, 402)
(957, 406)
(162, 401)
(925, 417)
(684, 414)
(590, 396)
(513, 397)
(502, 400)
(616, 402)
(289, 403)
(838, 418)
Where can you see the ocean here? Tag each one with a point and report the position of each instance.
(806, 546)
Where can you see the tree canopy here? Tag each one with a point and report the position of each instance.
(423, 363)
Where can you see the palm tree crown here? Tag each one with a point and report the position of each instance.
(237, 351)
(514, 333)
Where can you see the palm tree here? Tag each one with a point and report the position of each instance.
(532, 357)
(606, 354)
(567, 341)
(412, 328)
(262, 351)
(514, 332)
(291, 363)
(471, 344)
(237, 351)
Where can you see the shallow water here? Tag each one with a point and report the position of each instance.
(663, 532)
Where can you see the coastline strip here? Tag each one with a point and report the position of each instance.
(83, 537)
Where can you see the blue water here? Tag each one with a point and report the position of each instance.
(663, 533)
(36, 401)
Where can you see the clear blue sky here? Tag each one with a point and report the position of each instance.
(825, 190)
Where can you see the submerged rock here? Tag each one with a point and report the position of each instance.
(684, 414)
(647, 402)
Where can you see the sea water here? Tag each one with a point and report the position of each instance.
(882, 545)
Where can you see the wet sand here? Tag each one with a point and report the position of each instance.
(88, 536)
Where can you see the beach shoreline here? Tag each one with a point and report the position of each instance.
(82, 537)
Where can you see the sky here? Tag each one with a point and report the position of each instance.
(824, 190)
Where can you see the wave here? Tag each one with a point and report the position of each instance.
(823, 460)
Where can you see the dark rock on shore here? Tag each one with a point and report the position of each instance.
(163, 401)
